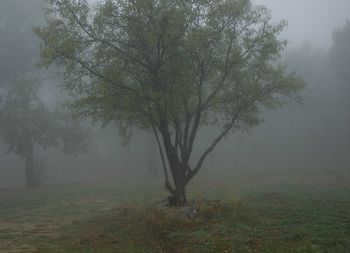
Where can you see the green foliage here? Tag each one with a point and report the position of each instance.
(24, 119)
(26, 123)
(123, 57)
(170, 66)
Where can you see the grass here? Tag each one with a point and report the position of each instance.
(286, 213)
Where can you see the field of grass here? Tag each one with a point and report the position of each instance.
(286, 213)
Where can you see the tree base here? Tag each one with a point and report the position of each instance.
(174, 201)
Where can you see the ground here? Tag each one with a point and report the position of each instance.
(284, 213)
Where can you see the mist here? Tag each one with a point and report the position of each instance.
(303, 132)
(308, 136)
(312, 21)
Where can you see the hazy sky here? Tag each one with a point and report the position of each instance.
(309, 20)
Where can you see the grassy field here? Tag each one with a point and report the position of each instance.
(286, 213)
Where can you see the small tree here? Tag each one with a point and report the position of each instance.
(171, 66)
(25, 123)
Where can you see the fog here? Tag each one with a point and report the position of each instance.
(313, 136)
(312, 20)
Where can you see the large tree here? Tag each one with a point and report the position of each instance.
(170, 66)
(26, 124)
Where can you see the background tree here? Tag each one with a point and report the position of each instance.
(340, 56)
(169, 66)
(26, 124)
(340, 52)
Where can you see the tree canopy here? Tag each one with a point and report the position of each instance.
(170, 66)
(25, 124)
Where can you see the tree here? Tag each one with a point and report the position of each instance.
(340, 51)
(25, 124)
(170, 66)
(340, 57)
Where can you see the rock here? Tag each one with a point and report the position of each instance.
(188, 211)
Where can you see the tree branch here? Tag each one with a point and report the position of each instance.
(106, 42)
(197, 116)
(193, 172)
(167, 182)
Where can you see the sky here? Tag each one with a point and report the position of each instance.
(309, 20)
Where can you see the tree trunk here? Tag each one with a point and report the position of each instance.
(180, 182)
(177, 168)
(180, 193)
(31, 180)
